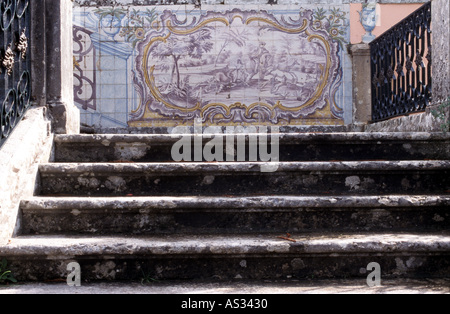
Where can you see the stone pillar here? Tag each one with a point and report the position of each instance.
(362, 92)
(52, 63)
(440, 11)
(38, 53)
(441, 50)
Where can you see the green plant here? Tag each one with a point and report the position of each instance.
(5, 274)
(441, 114)
(147, 279)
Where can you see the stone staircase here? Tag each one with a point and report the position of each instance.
(120, 207)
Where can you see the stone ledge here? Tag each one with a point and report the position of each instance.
(170, 257)
(40, 205)
(283, 129)
(55, 247)
(124, 169)
(232, 215)
(107, 139)
(419, 122)
(261, 287)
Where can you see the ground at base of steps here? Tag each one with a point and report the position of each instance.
(351, 286)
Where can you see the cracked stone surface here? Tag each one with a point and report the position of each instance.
(226, 215)
(246, 178)
(270, 287)
(293, 146)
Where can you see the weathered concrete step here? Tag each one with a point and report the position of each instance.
(244, 215)
(245, 179)
(228, 257)
(177, 289)
(293, 147)
(283, 129)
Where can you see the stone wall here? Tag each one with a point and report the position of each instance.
(441, 50)
(29, 144)
(53, 109)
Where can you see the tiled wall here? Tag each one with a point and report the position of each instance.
(155, 65)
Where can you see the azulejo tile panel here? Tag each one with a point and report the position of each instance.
(264, 65)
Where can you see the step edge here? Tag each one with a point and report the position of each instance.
(274, 203)
(107, 139)
(223, 245)
(65, 168)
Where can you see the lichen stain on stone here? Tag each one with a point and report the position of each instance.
(380, 215)
(75, 212)
(127, 151)
(61, 268)
(92, 183)
(387, 201)
(438, 218)
(407, 146)
(310, 180)
(353, 182)
(401, 267)
(411, 263)
(278, 248)
(414, 262)
(368, 183)
(117, 184)
(298, 264)
(144, 221)
(105, 270)
(406, 184)
(208, 180)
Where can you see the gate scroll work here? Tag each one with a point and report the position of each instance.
(239, 67)
(15, 67)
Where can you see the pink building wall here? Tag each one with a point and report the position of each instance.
(389, 15)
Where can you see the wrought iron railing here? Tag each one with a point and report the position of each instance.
(401, 67)
(15, 77)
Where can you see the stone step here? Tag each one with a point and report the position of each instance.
(244, 215)
(40, 258)
(352, 128)
(245, 179)
(292, 147)
(271, 290)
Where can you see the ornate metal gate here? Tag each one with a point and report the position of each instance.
(15, 66)
(401, 67)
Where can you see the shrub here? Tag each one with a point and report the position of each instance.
(440, 114)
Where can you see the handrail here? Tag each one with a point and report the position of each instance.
(401, 67)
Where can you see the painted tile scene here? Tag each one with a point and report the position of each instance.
(145, 66)
(239, 67)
